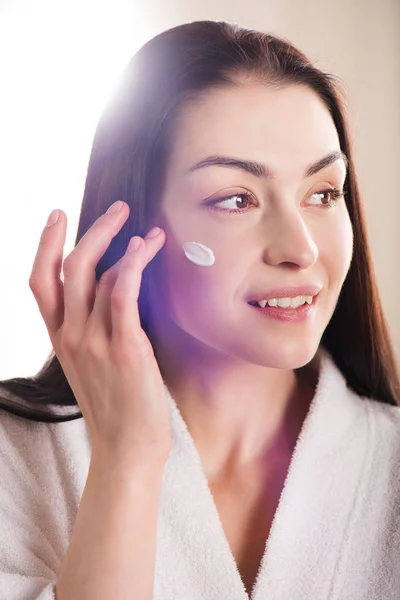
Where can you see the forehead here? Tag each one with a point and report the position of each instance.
(281, 127)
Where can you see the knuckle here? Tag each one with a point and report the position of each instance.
(35, 284)
(107, 279)
(70, 264)
(118, 298)
(93, 346)
(131, 350)
(69, 343)
(44, 241)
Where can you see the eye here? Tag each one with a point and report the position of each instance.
(333, 195)
(243, 198)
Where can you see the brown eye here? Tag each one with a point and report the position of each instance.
(242, 199)
(239, 203)
(331, 196)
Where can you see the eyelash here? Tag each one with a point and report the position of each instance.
(335, 192)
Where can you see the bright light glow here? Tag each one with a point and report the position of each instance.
(59, 63)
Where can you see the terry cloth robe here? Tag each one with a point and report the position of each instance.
(335, 534)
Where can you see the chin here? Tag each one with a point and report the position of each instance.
(287, 355)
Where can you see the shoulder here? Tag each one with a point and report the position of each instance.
(42, 454)
(21, 442)
(385, 417)
(43, 470)
(380, 416)
(383, 422)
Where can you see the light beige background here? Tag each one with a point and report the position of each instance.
(357, 40)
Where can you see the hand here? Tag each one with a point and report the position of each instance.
(96, 334)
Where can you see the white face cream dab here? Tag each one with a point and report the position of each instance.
(198, 254)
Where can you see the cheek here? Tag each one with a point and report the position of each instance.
(188, 285)
(336, 251)
(192, 289)
(199, 296)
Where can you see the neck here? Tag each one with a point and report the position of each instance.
(236, 412)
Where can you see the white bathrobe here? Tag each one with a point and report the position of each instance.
(335, 535)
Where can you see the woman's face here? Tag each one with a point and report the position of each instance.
(282, 233)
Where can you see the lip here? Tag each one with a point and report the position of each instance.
(286, 292)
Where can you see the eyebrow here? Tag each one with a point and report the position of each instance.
(260, 170)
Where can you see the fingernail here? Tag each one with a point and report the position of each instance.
(134, 244)
(53, 217)
(153, 232)
(114, 207)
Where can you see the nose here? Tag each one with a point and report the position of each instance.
(290, 241)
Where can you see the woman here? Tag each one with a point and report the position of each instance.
(240, 431)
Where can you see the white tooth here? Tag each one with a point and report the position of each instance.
(297, 301)
(284, 302)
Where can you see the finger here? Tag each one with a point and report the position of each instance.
(79, 269)
(44, 281)
(101, 313)
(125, 318)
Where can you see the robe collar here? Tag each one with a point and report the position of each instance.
(311, 521)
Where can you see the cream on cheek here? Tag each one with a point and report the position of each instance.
(198, 254)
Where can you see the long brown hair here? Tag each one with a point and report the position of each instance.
(128, 162)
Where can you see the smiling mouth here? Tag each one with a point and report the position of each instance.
(307, 302)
